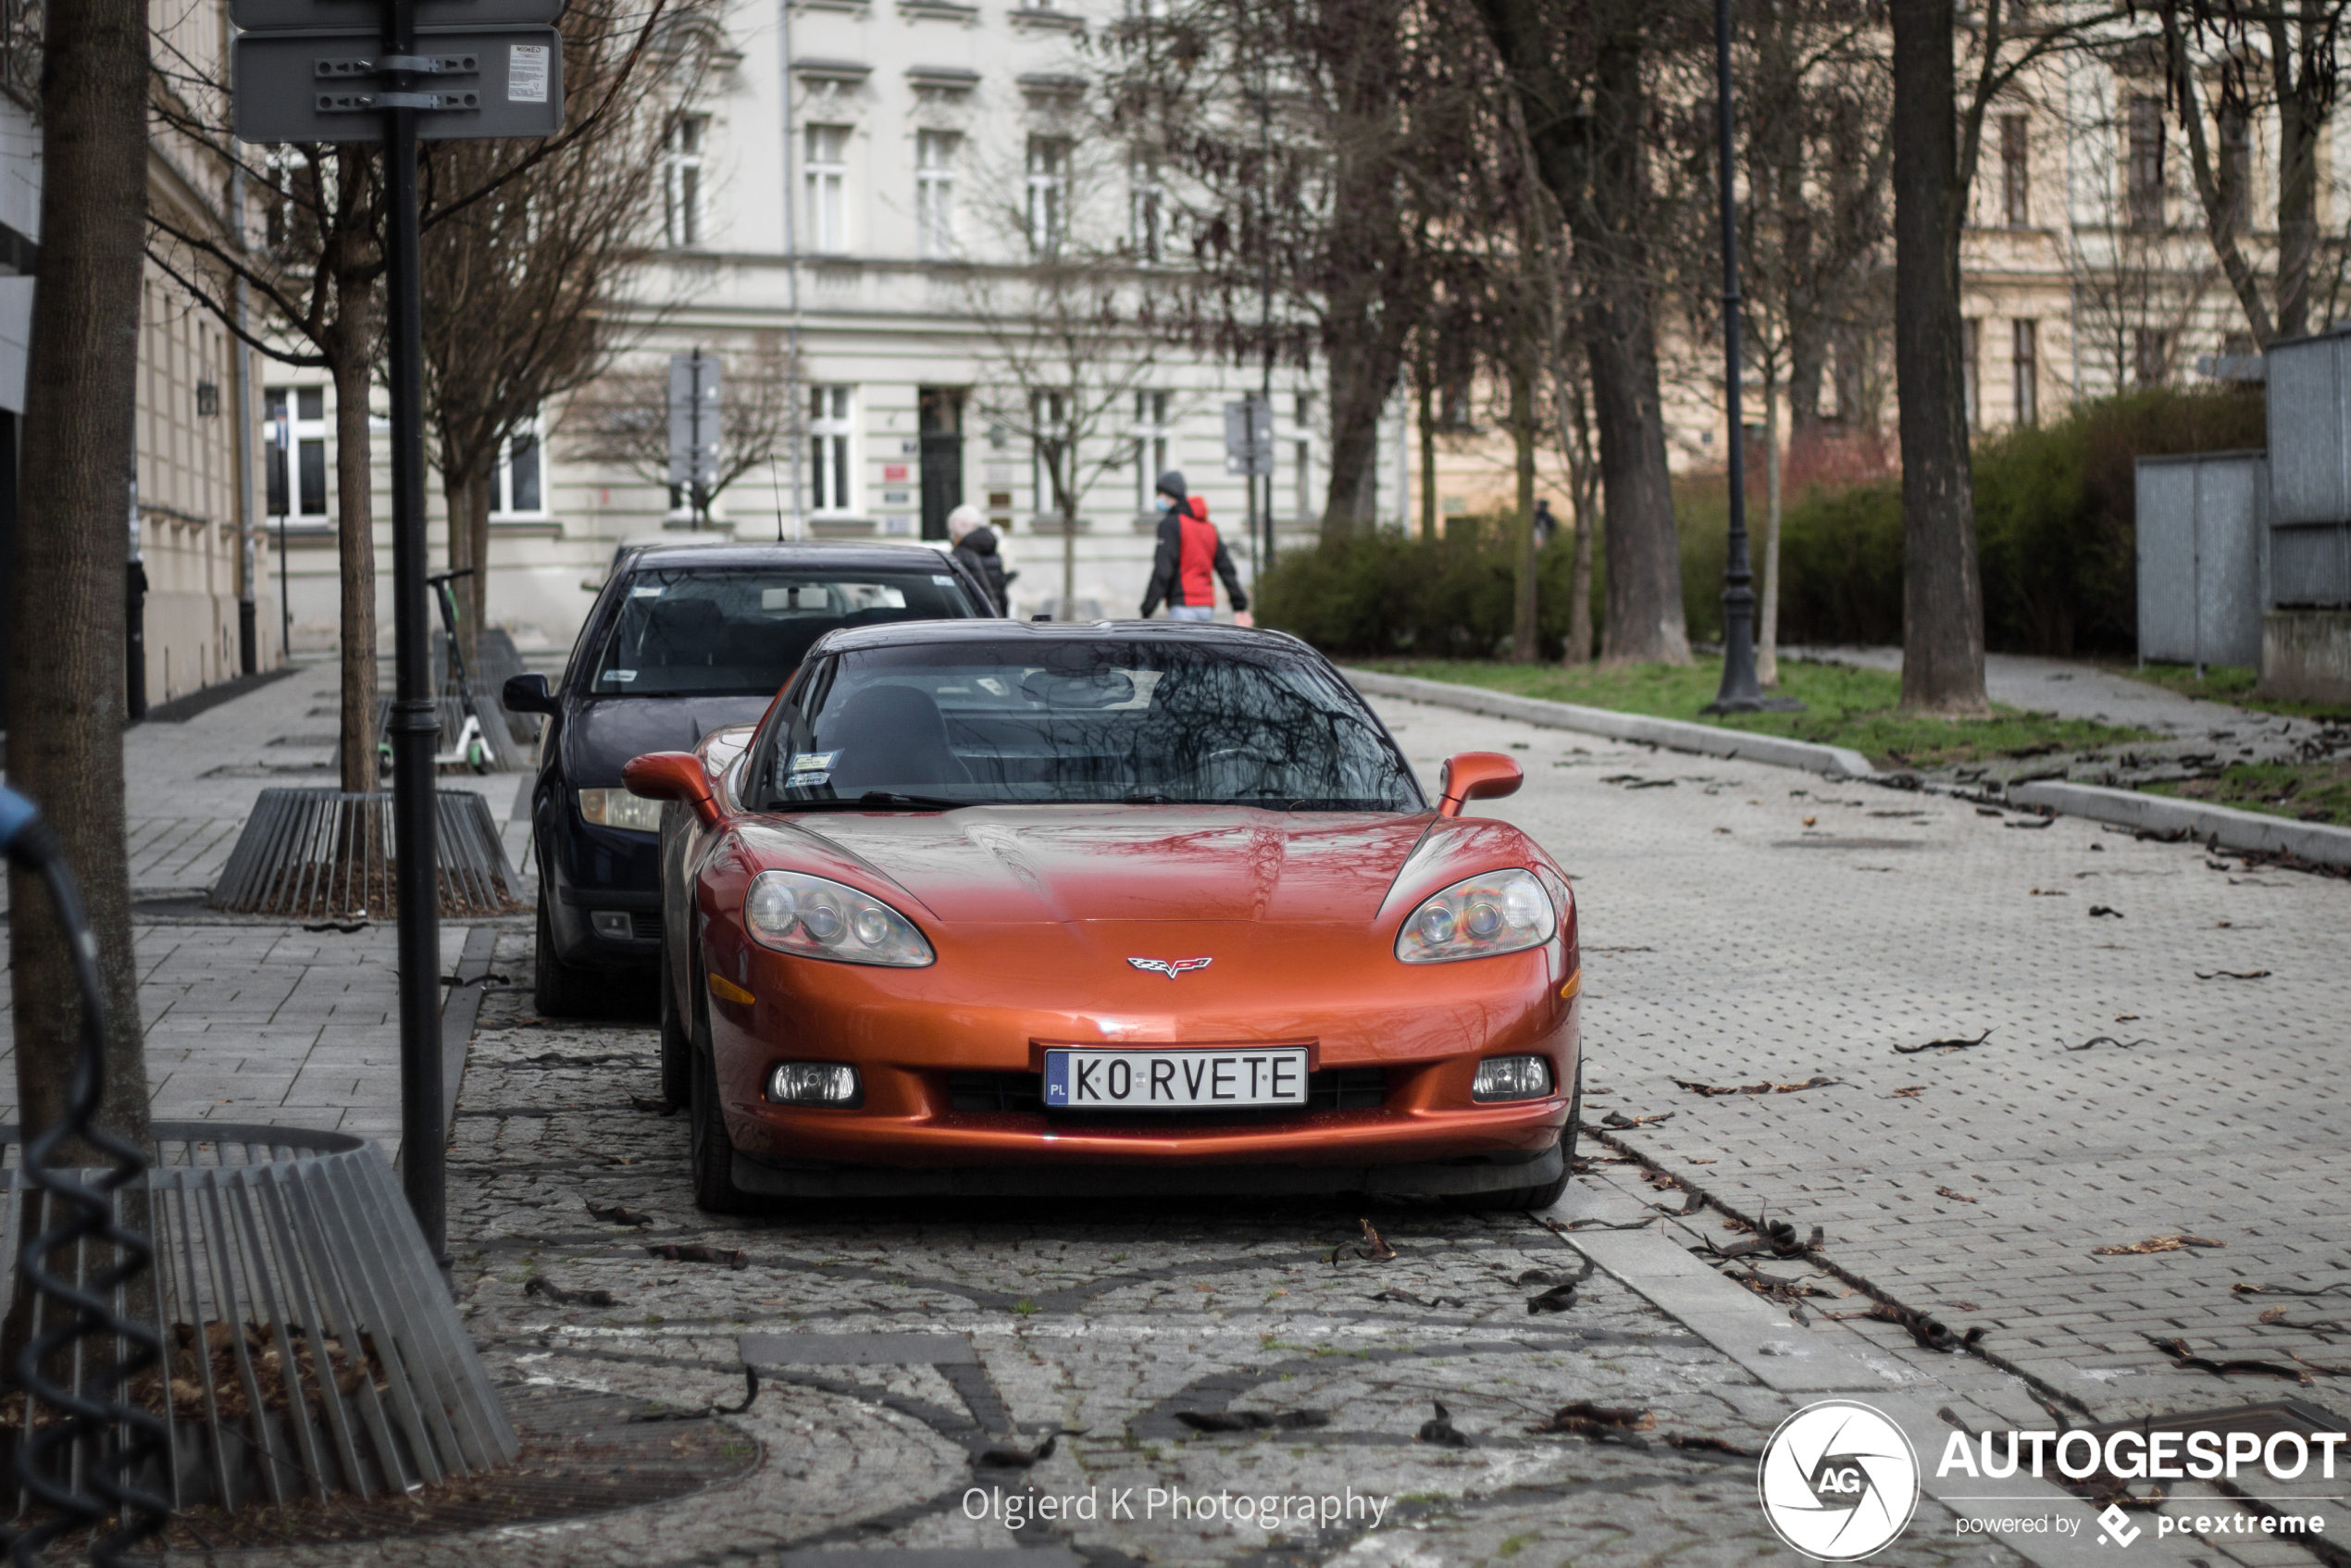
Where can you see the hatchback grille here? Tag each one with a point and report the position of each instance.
(1342, 1089)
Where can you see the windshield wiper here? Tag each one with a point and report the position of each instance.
(873, 799)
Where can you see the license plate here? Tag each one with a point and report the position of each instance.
(1174, 1080)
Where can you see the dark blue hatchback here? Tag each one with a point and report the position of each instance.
(684, 640)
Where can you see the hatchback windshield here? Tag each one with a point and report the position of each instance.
(1082, 722)
(740, 632)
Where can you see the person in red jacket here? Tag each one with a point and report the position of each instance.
(1189, 552)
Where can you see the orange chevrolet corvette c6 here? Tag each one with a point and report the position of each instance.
(988, 907)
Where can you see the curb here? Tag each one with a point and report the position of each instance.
(2225, 825)
(1674, 734)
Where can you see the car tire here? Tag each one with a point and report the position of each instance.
(559, 990)
(712, 1152)
(677, 1043)
(1535, 1198)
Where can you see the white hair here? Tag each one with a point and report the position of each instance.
(963, 520)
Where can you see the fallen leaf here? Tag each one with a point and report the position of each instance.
(695, 1252)
(1909, 1092)
(1816, 1081)
(2188, 1361)
(1944, 1045)
(614, 1213)
(2099, 909)
(2126, 1017)
(1006, 1457)
(1619, 1120)
(2155, 1244)
(2234, 975)
(1252, 1420)
(1711, 1445)
(1955, 1197)
(539, 1285)
(1442, 1431)
(655, 1106)
(1929, 1334)
(1557, 1299)
(1588, 1420)
(1812, 821)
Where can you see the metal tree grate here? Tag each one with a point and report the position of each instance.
(318, 854)
(311, 1346)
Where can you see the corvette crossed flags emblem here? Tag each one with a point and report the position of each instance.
(1171, 968)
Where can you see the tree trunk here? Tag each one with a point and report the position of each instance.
(1582, 483)
(1426, 388)
(1361, 376)
(2300, 131)
(1524, 641)
(1767, 653)
(473, 592)
(1942, 592)
(67, 610)
(355, 343)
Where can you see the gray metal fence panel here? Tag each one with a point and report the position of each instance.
(2311, 566)
(2309, 407)
(2200, 522)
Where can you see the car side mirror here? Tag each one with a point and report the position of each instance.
(672, 775)
(1477, 776)
(527, 694)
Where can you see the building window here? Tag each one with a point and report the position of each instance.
(1146, 206)
(831, 469)
(1047, 410)
(2016, 171)
(2024, 365)
(517, 486)
(683, 206)
(2146, 163)
(296, 428)
(1151, 447)
(2236, 164)
(1048, 191)
(827, 165)
(2151, 356)
(935, 154)
(1969, 399)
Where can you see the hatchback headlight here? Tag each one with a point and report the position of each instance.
(618, 808)
(794, 913)
(1500, 911)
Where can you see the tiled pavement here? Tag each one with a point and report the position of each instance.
(1751, 925)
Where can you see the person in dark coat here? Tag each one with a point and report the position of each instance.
(976, 543)
(1545, 524)
(1189, 551)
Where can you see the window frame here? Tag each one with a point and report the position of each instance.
(826, 182)
(935, 192)
(832, 438)
(685, 155)
(2025, 371)
(530, 436)
(307, 433)
(1046, 186)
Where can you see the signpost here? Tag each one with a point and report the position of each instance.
(695, 428)
(396, 72)
(1249, 436)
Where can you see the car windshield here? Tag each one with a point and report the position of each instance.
(1080, 722)
(703, 631)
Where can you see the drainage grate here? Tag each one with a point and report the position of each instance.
(310, 1343)
(317, 853)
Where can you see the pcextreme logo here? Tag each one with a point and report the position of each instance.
(1838, 1481)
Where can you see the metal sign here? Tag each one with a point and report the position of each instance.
(695, 424)
(1249, 436)
(468, 82)
(366, 16)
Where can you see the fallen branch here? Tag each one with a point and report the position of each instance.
(1944, 1045)
(2188, 1361)
(2109, 1040)
(1817, 1081)
(2155, 1244)
(2234, 975)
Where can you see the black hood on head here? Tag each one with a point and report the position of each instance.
(980, 540)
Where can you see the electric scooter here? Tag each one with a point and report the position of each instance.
(471, 746)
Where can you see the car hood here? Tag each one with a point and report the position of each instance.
(601, 734)
(999, 865)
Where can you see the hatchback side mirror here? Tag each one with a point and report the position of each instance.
(672, 775)
(1477, 776)
(527, 694)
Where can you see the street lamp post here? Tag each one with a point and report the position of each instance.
(1739, 692)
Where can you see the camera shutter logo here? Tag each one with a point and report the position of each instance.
(1838, 1481)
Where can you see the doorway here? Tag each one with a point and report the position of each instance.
(942, 456)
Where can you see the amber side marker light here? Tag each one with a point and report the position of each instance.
(1574, 984)
(725, 990)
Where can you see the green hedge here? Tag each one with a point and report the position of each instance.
(2054, 517)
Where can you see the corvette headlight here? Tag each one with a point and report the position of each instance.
(794, 913)
(618, 808)
(1500, 911)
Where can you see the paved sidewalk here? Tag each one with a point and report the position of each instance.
(2070, 689)
(1749, 925)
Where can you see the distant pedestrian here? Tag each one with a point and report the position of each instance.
(1189, 551)
(976, 543)
(1545, 524)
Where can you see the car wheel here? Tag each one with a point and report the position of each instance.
(1538, 1198)
(676, 1044)
(713, 1151)
(559, 990)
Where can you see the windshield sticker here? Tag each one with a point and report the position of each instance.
(943, 579)
(620, 675)
(807, 780)
(812, 762)
(653, 592)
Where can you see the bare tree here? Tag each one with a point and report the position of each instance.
(1581, 71)
(2282, 60)
(65, 613)
(621, 419)
(524, 287)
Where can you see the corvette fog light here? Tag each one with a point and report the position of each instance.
(814, 1083)
(1512, 1077)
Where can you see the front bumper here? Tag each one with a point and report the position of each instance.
(1499, 1173)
